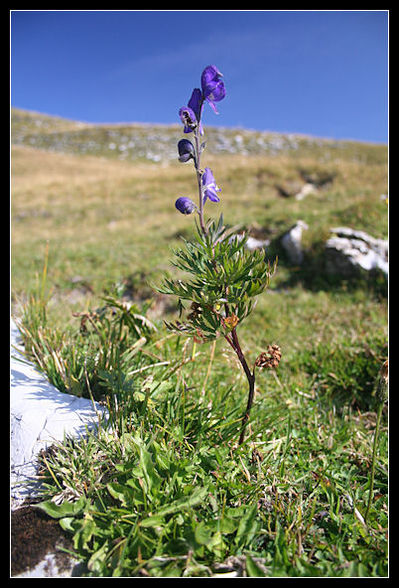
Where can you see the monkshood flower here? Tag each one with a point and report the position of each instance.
(196, 104)
(209, 186)
(213, 89)
(185, 205)
(186, 150)
(190, 115)
(188, 118)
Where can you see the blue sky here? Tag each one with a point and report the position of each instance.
(321, 73)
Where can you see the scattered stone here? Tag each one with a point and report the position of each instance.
(253, 243)
(350, 252)
(305, 191)
(291, 241)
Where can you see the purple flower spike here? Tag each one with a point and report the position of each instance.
(188, 118)
(185, 205)
(213, 89)
(210, 187)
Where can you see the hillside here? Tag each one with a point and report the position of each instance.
(98, 193)
(158, 142)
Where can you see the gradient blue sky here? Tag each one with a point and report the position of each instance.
(321, 73)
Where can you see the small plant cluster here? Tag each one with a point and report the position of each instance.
(226, 277)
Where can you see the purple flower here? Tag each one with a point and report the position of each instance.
(186, 150)
(213, 89)
(185, 205)
(188, 118)
(190, 115)
(196, 103)
(210, 187)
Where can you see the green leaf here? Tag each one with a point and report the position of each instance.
(62, 510)
(253, 570)
(151, 477)
(228, 525)
(97, 560)
(197, 497)
(67, 524)
(248, 527)
(87, 529)
(153, 521)
(202, 534)
(120, 492)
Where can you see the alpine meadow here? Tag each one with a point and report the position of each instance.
(244, 386)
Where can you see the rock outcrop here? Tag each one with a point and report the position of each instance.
(349, 253)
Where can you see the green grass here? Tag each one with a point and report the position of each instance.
(164, 489)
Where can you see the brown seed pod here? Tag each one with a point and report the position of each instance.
(269, 359)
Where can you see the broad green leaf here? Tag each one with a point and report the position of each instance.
(67, 524)
(85, 533)
(120, 492)
(228, 525)
(62, 510)
(202, 534)
(197, 497)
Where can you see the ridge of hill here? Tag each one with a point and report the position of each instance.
(157, 142)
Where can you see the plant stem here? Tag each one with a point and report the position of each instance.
(234, 342)
(376, 435)
(197, 164)
(234, 338)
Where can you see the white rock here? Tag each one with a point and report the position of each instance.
(292, 242)
(253, 243)
(305, 191)
(40, 415)
(349, 250)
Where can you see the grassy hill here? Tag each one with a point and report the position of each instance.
(100, 199)
(158, 142)
(98, 193)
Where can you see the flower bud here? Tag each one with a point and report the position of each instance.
(186, 150)
(185, 205)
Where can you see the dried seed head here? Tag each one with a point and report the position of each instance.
(269, 359)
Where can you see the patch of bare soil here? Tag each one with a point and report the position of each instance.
(33, 535)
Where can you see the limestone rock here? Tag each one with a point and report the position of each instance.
(253, 243)
(306, 189)
(350, 252)
(291, 241)
(40, 415)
